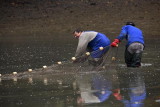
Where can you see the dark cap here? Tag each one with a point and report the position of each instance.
(130, 23)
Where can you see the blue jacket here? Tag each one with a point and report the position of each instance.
(91, 41)
(131, 34)
(98, 41)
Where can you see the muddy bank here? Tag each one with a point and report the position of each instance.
(46, 19)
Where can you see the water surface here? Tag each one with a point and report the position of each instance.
(72, 85)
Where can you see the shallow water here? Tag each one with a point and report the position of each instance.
(68, 85)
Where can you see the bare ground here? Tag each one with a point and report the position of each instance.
(46, 19)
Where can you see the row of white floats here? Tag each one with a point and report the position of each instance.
(30, 80)
(45, 81)
(73, 59)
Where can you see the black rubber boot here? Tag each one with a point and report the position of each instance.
(136, 61)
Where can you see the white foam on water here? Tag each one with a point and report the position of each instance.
(142, 64)
(157, 100)
(146, 64)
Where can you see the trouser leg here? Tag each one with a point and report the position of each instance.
(133, 55)
(136, 61)
(128, 58)
(95, 62)
(97, 57)
(133, 60)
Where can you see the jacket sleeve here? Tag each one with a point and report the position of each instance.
(123, 33)
(82, 46)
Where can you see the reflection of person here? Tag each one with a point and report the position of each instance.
(91, 41)
(134, 46)
(135, 92)
(137, 95)
(103, 85)
(96, 88)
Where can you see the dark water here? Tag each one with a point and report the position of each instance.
(70, 85)
(31, 54)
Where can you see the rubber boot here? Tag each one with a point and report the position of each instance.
(136, 61)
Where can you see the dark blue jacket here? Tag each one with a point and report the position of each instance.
(100, 40)
(131, 34)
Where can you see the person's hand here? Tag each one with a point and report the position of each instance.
(115, 43)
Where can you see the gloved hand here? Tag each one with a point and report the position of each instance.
(115, 43)
(116, 94)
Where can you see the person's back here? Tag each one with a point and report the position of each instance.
(132, 34)
(99, 41)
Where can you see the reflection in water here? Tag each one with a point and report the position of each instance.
(100, 87)
(45, 81)
(113, 88)
(61, 85)
(15, 79)
(97, 87)
(133, 89)
(45, 90)
(30, 80)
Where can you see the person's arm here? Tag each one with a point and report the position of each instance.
(84, 39)
(119, 38)
(82, 46)
(123, 33)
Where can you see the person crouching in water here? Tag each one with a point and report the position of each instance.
(97, 44)
(134, 46)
